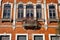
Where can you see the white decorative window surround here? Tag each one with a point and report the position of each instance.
(10, 9)
(38, 37)
(56, 13)
(5, 36)
(58, 1)
(21, 36)
(54, 37)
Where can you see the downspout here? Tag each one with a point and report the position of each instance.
(45, 14)
(0, 2)
(14, 16)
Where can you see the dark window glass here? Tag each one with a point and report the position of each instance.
(29, 10)
(21, 37)
(38, 11)
(55, 37)
(38, 37)
(6, 11)
(52, 12)
(4, 37)
(20, 11)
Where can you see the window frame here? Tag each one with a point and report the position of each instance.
(22, 34)
(3, 10)
(18, 19)
(30, 10)
(7, 34)
(52, 35)
(42, 8)
(55, 10)
(38, 34)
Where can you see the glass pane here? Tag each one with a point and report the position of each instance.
(38, 37)
(55, 37)
(7, 10)
(51, 7)
(6, 37)
(21, 37)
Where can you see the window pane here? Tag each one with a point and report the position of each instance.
(20, 11)
(6, 37)
(52, 12)
(55, 37)
(38, 37)
(29, 10)
(38, 11)
(7, 10)
(21, 37)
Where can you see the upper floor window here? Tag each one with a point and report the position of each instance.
(52, 11)
(20, 11)
(38, 11)
(6, 11)
(29, 10)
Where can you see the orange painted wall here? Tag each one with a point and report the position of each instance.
(20, 29)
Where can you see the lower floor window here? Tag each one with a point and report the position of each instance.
(21, 37)
(4, 37)
(38, 37)
(55, 37)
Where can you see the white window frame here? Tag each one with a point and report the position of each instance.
(7, 34)
(41, 9)
(3, 9)
(38, 34)
(55, 10)
(22, 34)
(17, 9)
(52, 35)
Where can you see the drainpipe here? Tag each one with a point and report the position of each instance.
(14, 16)
(0, 2)
(45, 20)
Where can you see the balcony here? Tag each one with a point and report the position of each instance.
(53, 20)
(6, 20)
(30, 23)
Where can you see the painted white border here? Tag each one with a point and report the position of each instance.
(7, 34)
(52, 35)
(22, 34)
(55, 9)
(38, 34)
(3, 9)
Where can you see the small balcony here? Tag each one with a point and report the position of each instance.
(53, 20)
(30, 23)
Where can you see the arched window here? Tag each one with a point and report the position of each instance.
(52, 12)
(29, 10)
(6, 11)
(38, 11)
(20, 11)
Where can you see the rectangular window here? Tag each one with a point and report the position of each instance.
(54, 37)
(38, 37)
(5, 37)
(21, 37)
(6, 11)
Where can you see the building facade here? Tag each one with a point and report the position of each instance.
(29, 19)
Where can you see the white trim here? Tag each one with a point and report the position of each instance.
(22, 34)
(55, 10)
(38, 34)
(3, 9)
(52, 35)
(7, 34)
